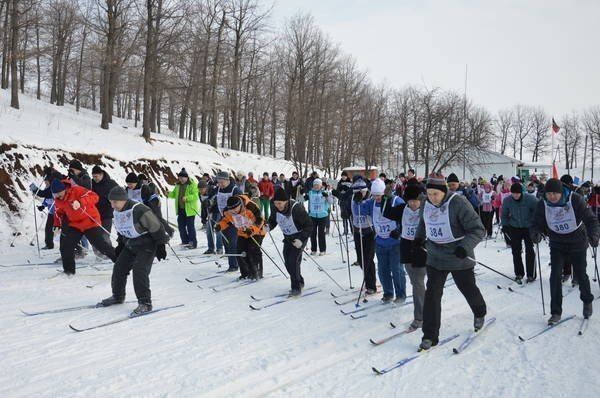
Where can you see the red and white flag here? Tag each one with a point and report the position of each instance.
(555, 127)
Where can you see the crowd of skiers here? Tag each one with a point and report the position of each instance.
(427, 228)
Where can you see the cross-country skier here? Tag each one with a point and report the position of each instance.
(141, 237)
(318, 210)
(296, 226)
(570, 226)
(185, 194)
(225, 190)
(364, 235)
(452, 229)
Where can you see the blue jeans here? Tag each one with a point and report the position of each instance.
(391, 271)
(187, 229)
(210, 233)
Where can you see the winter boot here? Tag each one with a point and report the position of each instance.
(478, 322)
(370, 292)
(387, 299)
(565, 278)
(313, 253)
(426, 344)
(232, 269)
(209, 251)
(416, 324)
(294, 293)
(112, 300)
(519, 279)
(142, 308)
(530, 279)
(587, 310)
(554, 319)
(399, 300)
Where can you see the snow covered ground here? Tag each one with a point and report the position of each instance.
(215, 345)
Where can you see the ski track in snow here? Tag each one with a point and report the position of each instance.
(215, 346)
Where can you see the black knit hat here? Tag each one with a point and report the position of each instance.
(142, 177)
(183, 173)
(97, 170)
(131, 178)
(76, 164)
(566, 179)
(233, 202)
(117, 193)
(281, 195)
(516, 188)
(554, 185)
(453, 178)
(437, 181)
(411, 193)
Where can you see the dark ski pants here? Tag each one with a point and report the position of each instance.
(212, 236)
(487, 220)
(107, 225)
(518, 236)
(251, 265)
(139, 261)
(558, 259)
(318, 233)
(69, 239)
(432, 308)
(293, 262)
(368, 247)
(187, 228)
(49, 232)
(347, 225)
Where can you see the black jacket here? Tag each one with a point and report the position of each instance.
(576, 241)
(410, 252)
(145, 221)
(344, 194)
(301, 219)
(102, 188)
(83, 179)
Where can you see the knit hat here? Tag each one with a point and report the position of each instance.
(97, 170)
(411, 193)
(117, 193)
(377, 187)
(317, 181)
(453, 178)
(223, 175)
(516, 188)
(359, 184)
(131, 178)
(281, 195)
(233, 202)
(142, 177)
(566, 179)
(76, 164)
(202, 184)
(554, 185)
(437, 181)
(183, 173)
(57, 186)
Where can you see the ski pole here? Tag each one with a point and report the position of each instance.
(362, 256)
(336, 220)
(267, 254)
(492, 269)
(37, 238)
(537, 247)
(17, 233)
(276, 248)
(323, 270)
(174, 252)
(595, 252)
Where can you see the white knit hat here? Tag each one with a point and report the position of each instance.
(317, 182)
(377, 187)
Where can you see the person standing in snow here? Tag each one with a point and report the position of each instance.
(141, 238)
(294, 187)
(76, 214)
(318, 210)
(486, 197)
(570, 226)
(207, 194)
(296, 226)
(343, 193)
(47, 203)
(364, 235)
(225, 190)
(185, 194)
(102, 185)
(245, 217)
(518, 212)
(452, 229)
(266, 194)
(454, 186)
(387, 244)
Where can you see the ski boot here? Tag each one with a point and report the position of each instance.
(112, 300)
(427, 344)
(294, 293)
(554, 319)
(530, 279)
(519, 280)
(142, 308)
(478, 322)
(399, 300)
(416, 324)
(386, 299)
(587, 310)
(209, 251)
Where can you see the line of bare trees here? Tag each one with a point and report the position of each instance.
(217, 72)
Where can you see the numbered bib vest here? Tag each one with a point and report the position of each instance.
(317, 205)
(135, 194)
(410, 222)
(437, 222)
(286, 223)
(561, 219)
(383, 226)
(222, 199)
(360, 220)
(240, 221)
(486, 197)
(123, 221)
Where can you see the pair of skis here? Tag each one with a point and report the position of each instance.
(284, 299)
(582, 328)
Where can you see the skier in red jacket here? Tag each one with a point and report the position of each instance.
(77, 215)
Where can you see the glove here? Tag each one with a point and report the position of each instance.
(506, 229)
(33, 188)
(395, 234)
(297, 243)
(460, 252)
(536, 238)
(358, 197)
(594, 243)
(41, 208)
(76, 205)
(217, 228)
(161, 252)
(118, 250)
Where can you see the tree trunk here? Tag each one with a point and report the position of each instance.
(79, 70)
(14, 54)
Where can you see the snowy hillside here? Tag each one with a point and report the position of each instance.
(215, 345)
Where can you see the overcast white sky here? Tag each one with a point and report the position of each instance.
(531, 52)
